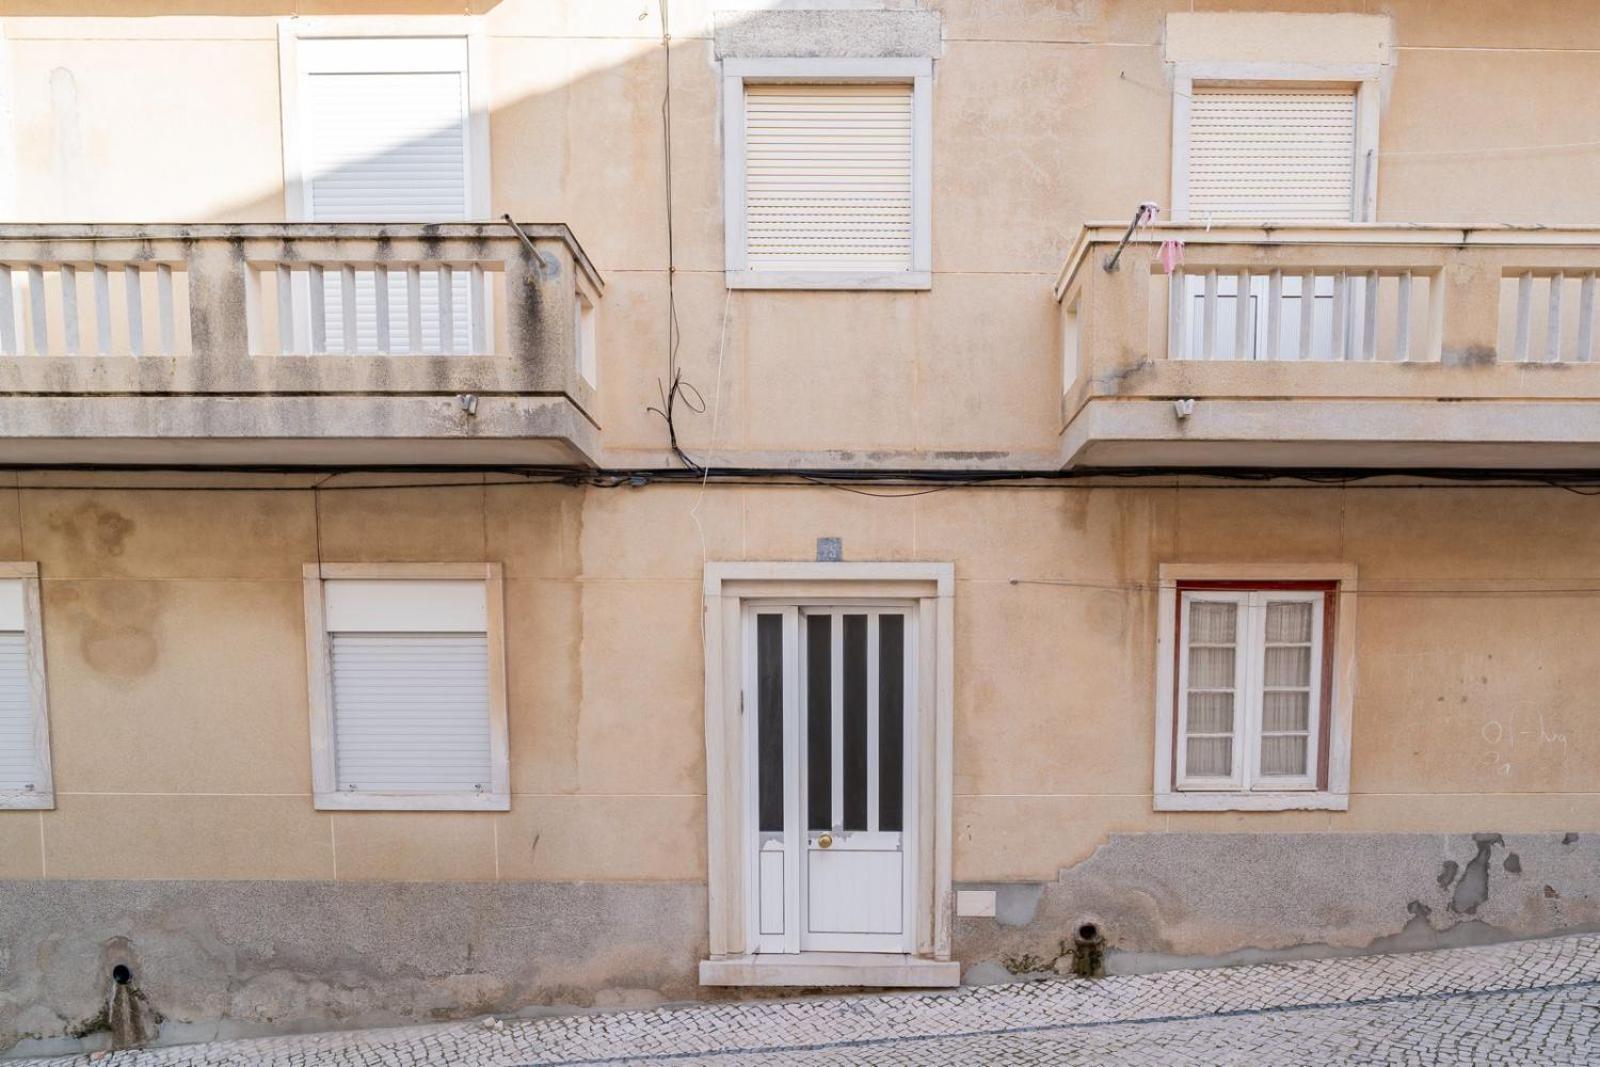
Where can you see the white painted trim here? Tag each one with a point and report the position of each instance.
(735, 74)
(327, 795)
(822, 279)
(293, 29)
(8, 130)
(42, 796)
(1291, 801)
(1363, 77)
(1340, 709)
(727, 588)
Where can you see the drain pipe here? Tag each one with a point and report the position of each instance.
(522, 235)
(1089, 951)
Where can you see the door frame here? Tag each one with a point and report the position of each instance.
(728, 588)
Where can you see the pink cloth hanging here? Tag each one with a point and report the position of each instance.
(1171, 254)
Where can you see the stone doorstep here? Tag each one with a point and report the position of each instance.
(858, 970)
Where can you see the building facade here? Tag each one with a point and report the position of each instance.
(600, 502)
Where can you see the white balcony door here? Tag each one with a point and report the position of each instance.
(833, 689)
(1321, 308)
(385, 135)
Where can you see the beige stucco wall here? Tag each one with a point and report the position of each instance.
(1045, 115)
(173, 620)
(175, 649)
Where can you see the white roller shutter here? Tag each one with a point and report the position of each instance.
(386, 128)
(1274, 154)
(828, 177)
(19, 768)
(411, 712)
(409, 664)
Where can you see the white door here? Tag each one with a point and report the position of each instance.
(385, 132)
(833, 688)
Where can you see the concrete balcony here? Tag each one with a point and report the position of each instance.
(1369, 346)
(296, 344)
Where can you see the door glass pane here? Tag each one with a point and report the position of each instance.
(819, 722)
(769, 722)
(891, 721)
(855, 722)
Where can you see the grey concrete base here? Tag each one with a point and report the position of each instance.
(239, 958)
(1187, 900)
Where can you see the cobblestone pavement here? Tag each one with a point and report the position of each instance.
(1531, 1002)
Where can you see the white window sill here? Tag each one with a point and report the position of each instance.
(1287, 801)
(864, 970)
(355, 801)
(829, 279)
(27, 801)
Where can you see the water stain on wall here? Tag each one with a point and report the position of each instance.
(118, 623)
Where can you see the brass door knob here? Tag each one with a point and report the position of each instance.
(825, 841)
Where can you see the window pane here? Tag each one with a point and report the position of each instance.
(1212, 623)
(1211, 713)
(1289, 622)
(1210, 757)
(855, 722)
(1283, 756)
(1281, 712)
(819, 722)
(1287, 667)
(769, 721)
(891, 720)
(1211, 668)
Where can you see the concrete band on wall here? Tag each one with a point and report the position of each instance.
(232, 958)
(829, 34)
(1196, 899)
(244, 957)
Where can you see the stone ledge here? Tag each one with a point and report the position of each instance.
(863, 970)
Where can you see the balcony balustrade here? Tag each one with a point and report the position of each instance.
(1330, 346)
(296, 344)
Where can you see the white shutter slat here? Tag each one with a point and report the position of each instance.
(411, 711)
(18, 768)
(828, 177)
(1272, 154)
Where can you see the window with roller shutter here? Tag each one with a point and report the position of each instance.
(25, 780)
(408, 691)
(827, 173)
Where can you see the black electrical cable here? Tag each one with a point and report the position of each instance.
(675, 390)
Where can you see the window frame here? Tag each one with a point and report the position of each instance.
(1363, 78)
(291, 73)
(1327, 788)
(42, 796)
(326, 794)
(918, 73)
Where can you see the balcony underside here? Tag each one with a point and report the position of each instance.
(278, 430)
(1125, 432)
